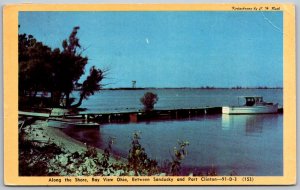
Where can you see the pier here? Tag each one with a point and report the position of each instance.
(124, 117)
(134, 116)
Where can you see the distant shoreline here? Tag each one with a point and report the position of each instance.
(192, 88)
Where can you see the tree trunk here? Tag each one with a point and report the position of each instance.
(67, 99)
(55, 97)
(78, 103)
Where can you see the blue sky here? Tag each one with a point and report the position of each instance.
(172, 49)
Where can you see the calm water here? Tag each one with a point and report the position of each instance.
(125, 100)
(246, 144)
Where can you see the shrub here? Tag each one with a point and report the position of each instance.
(148, 100)
(180, 154)
(138, 160)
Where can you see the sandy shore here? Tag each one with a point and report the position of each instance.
(65, 164)
(39, 131)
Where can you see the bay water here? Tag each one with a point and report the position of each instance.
(240, 144)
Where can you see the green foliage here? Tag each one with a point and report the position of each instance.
(138, 160)
(91, 152)
(42, 69)
(90, 85)
(34, 66)
(71, 65)
(180, 153)
(148, 100)
(34, 157)
(48, 159)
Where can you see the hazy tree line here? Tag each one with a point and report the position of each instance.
(55, 72)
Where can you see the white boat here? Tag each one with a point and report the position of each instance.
(253, 105)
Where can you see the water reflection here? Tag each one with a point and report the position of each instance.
(246, 144)
(254, 125)
(249, 124)
(90, 136)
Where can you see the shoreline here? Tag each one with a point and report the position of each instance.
(40, 132)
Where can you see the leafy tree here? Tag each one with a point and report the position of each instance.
(71, 65)
(55, 71)
(90, 85)
(34, 66)
(148, 100)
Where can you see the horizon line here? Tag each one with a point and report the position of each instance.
(204, 87)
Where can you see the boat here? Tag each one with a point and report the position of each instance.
(253, 105)
(71, 122)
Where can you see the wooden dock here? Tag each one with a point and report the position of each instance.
(125, 117)
(134, 116)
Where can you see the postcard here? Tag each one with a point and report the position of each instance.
(149, 94)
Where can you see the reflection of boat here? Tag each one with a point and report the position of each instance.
(253, 105)
(64, 123)
(252, 125)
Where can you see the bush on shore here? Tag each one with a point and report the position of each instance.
(48, 159)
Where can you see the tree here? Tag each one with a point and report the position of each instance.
(90, 85)
(34, 66)
(55, 71)
(71, 65)
(148, 100)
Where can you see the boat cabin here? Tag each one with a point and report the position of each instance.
(251, 105)
(253, 100)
